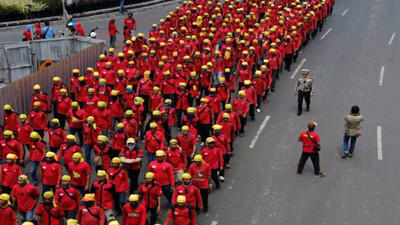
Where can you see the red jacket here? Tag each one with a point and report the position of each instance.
(105, 152)
(11, 121)
(163, 173)
(50, 173)
(36, 151)
(67, 197)
(9, 174)
(67, 152)
(154, 141)
(213, 157)
(104, 194)
(109, 75)
(241, 107)
(102, 118)
(145, 87)
(132, 154)
(12, 146)
(222, 142)
(119, 177)
(200, 174)
(44, 100)
(38, 120)
(80, 116)
(23, 133)
(57, 137)
(155, 102)
(192, 193)
(177, 158)
(135, 216)
(168, 86)
(308, 145)
(89, 104)
(180, 216)
(205, 114)
(119, 140)
(251, 95)
(94, 217)
(63, 105)
(131, 126)
(116, 108)
(182, 100)
(50, 214)
(91, 133)
(215, 103)
(149, 194)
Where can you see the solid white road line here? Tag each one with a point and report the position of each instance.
(264, 123)
(381, 75)
(326, 33)
(391, 39)
(345, 11)
(298, 68)
(214, 223)
(379, 142)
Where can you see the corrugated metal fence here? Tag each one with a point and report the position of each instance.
(18, 94)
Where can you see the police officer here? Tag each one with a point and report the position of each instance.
(304, 88)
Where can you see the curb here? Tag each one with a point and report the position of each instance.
(80, 15)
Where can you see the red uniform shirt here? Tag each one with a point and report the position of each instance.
(94, 217)
(116, 108)
(50, 173)
(180, 216)
(56, 137)
(205, 115)
(91, 133)
(213, 157)
(38, 120)
(79, 173)
(131, 126)
(9, 174)
(10, 121)
(23, 133)
(132, 154)
(154, 141)
(50, 214)
(80, 116)
(68, 198)
(44, 100)
(241, 106)
(308, 145)
(36, 151)
(200, 174)
(11, 146)
(150, 194)
(102, 118)
(67, 153)
(119, 140)
(163, 173)
(155, 102)
(104, 194)
(177, 158)
(187, 143)
(7, 216)
(25, 197)
(63, 105)
(89, 104)
(120, 178)
(222, 142)
(135, 216)
(192, 193)
(105, 153)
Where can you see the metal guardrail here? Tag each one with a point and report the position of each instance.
(18, 94)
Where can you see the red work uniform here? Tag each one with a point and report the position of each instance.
(177, 158)
(23, 133)
(163, 173)
(7, 216)
(79, 173)
(200, 174)
(130, 127)
(50, 173)
(89, 104)
(9, 175)
(68, 198)
(56, 137)
(105, 153)
(213, 157)
(10, 121)
(25, 197)
(135, 216)
(150, 193)
(67, 152)
(36, 151)
(12, 146)
(192, 194)
(187, 143)
(154, 141)
(104, 194)
(50, 214)
(44, 100)
(94, 217)
(180, 216)
(119, 177)
(102, 118)
(38, 120)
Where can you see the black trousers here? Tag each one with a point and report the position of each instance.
(204, 131)
(214, 177)
(204, 197)
(133, 177)
(62, 119)
(243, 121)
(275, 77)
(288, 61)
(314, 158)
(179, 117)
(226, 160)
(251, 111)
(306, 95)
(153, 216)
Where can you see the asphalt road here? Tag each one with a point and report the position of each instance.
(262, 186)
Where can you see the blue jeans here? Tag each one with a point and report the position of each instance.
(27, 216)
(34, 166)
(151, 157)
(121, 6)
(346, 144)
(217, 76)
(88, 152)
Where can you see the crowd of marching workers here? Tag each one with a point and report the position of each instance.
(184, 76)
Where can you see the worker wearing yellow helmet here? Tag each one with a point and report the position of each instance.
(178, 209)
(40, 96)
(154, 192)
(163, 174)
(10, 118)
(134, 211)
(241, 108)
(216, 163)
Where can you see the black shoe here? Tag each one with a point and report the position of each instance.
(288, 69)
(273, 90)
(344, 155)
(350, 155)
(308, 108)
(206, 209)
(298, 113)
(253, 118)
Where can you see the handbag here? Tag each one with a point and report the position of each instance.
(316, 147)
(98, 160)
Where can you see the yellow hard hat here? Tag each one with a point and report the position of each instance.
(89, 198)
(51, 155)
(157, 112)
(191, 110)
(226, 115)
(217, 127)
(242, 93)
(186, 176)
(116, 160)
(11, 156)
(185, 128)
(120, 125)
(114, 92)
(210, 140)
(36, 87)
(203, 100)
(66, 178)
(102, 138)
(131, 141)
(121, 54)
(90, 119)
(129, 112)
(23, 116)
(74, 104)
(71, 137)
(101, 104)
(198, 158)
(167, 101)
(247, 82)
(153, 125)
(181, 199)
(48, 194)
(173, 141)
(34, 135)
